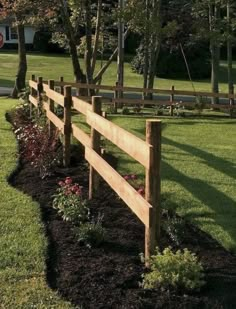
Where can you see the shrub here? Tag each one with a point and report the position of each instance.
(39, 148)
(125, 111)
(69, 202)
(92, 234)
(179, 270)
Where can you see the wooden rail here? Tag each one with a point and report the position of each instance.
(171, 94)
(147, 153)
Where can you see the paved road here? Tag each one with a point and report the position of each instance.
(5, 91)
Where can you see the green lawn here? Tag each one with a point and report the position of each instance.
(54, 66)
(198, 171)
(22, 238)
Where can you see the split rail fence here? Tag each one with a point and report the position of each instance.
(112, 95)
(147, 153)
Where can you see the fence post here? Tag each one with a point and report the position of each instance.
(67, 125)
(153, 186)
(231, 102)
(172, 99)
(39, 95)
(115, 97)
(61, 80)
(95, 145)
(51, 85)
(33, 93)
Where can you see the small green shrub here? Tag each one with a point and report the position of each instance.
(110, 109)
(91, 234)
(125, 111)
(179, 270)
(69, 202)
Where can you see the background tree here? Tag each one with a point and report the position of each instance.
(17, 9)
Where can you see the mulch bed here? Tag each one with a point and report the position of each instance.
(110, 276)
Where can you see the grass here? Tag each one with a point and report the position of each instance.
(54, 66)
(22, 238)
(198, 170)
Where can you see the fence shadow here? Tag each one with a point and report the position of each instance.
(219, 164)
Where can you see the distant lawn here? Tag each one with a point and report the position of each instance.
(53, 66)
(23, 243)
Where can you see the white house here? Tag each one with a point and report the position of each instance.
(10, 34)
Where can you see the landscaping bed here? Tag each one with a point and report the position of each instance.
(110, 276)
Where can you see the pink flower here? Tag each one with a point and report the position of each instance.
(68, 181)
(133, 176)
(75, 188)
(61, 183)
(126, 177)
(141, 191)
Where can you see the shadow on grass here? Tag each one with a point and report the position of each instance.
(219, 164)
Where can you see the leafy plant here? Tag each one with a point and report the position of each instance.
(69, 202)
(110, 109)
(39, 148)
(180, 270)
(92, 234)
(125, 111)
(137, 109)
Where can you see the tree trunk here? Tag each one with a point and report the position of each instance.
(215, 52)
(88, 52)
(155, 43)
(229, 50)
(146, 50)
(22, 66)
(78, 73)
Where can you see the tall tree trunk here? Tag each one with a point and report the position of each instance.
(22, 66)
(215, 52)
(155, 44)
(97, 35)
(146, 49)
(88, 52)
(229, 50)
(78, 73)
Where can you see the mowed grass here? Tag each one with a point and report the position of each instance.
(198, 171)
(22, 237)
(53, 66)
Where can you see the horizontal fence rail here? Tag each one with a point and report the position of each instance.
(148, 153)
(110, 96)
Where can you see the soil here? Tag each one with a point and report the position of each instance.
(110, 276)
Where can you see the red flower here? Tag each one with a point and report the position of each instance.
(68, 181)
(141, 191)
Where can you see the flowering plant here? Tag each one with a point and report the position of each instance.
(69, 202)
(132, 180)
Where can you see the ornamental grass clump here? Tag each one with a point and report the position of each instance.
(69, 202)
(178, 270)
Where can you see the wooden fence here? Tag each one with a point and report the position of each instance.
(147, 153)
(171, 96)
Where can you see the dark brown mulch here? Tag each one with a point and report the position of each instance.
(110, 276)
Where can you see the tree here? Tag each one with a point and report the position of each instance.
(144, 17)
(17, 10)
